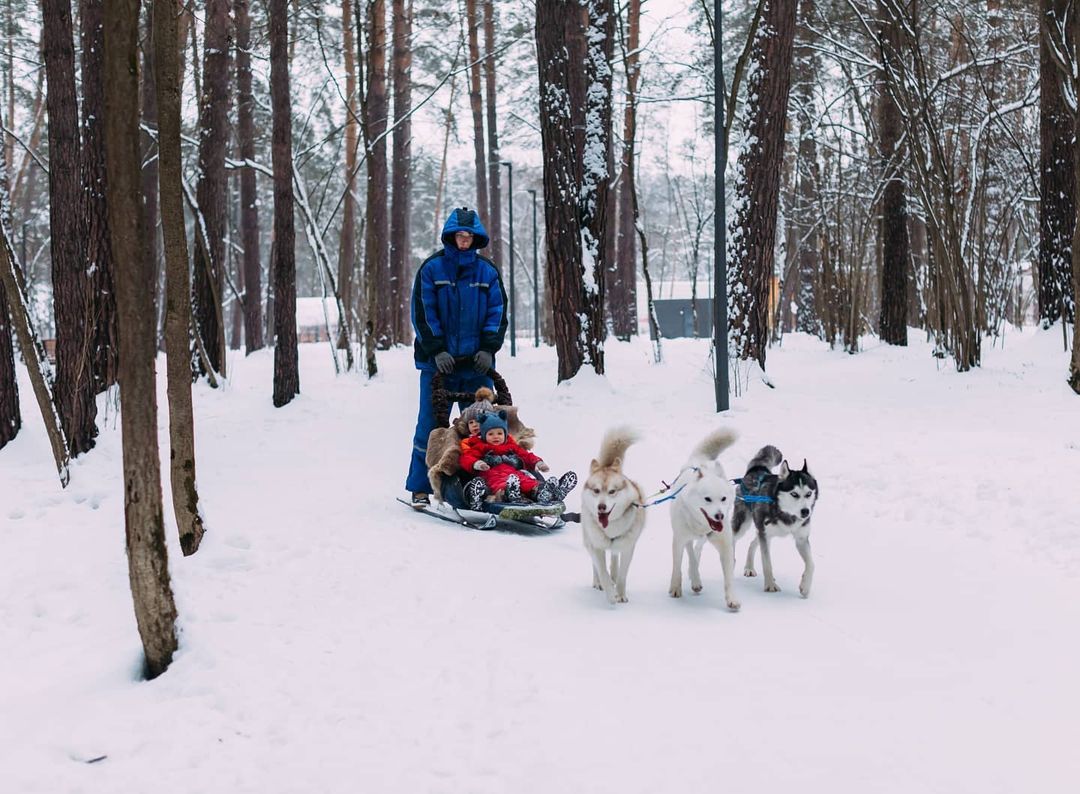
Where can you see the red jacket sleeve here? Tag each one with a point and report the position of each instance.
(471, 452)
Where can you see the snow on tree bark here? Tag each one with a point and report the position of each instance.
(575, 120)
(757, 182)
(1057, 178)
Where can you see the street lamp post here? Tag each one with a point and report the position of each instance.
(720, 313)
(510, 202)
(536, 281)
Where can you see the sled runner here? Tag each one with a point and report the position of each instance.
(447, 479)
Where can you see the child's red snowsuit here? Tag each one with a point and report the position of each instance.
(495, 477)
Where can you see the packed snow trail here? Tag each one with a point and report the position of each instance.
(332, 641)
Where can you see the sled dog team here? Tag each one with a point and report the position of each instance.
(705, 507)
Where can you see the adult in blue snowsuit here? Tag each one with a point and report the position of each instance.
(459, 316)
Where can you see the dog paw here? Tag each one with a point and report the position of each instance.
(749, 572)
(804, 591)
(772, 587)
(733, 605)
(696, 588)
(596, 586)
(675, 592)
(622, 599)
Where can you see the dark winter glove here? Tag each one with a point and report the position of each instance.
(492, 460)
(444, 362)
(482, 361)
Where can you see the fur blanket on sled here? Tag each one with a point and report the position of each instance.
(444, 446)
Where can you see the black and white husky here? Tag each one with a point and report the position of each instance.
(778, 502)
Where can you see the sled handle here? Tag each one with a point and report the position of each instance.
(442, 400)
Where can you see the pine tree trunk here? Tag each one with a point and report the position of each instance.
(148, 569)
(10, 417)
(494, 218)
(249, 197)
(33, 353)
(895, 246)
(72, 287)
(476, 102)
(212, 188)
(1057, 178)
(376, 253)
(149, 153)
(98, 251)
(622, 291)
(757, 182)
(400, 202)
(177, 282)
(286, 354)
(808, 238)
(347, 242)
(573, 229)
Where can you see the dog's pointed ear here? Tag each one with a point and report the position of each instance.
(594, 466)
(616, 465)
(784, 470)
(806, 469)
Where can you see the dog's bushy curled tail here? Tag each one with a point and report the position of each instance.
(712, 445)
(768, 457)
(614, 445)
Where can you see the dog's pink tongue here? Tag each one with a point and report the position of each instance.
(716, 525)
(602, 518)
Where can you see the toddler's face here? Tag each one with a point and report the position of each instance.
(495, 435)
(474, 427)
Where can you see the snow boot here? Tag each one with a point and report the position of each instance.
(475, 490)
(567, 483)
(512, 492)
(420, 500)
(547, 492)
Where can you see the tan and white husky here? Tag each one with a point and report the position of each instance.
(702, 511)
(612, 514)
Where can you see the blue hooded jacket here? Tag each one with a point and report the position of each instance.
(458, 300)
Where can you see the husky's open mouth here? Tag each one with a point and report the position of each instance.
(602, 517)
(715, 524)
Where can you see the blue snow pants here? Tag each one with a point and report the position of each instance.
(464, 381)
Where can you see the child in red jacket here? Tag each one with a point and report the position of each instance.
(505, 467)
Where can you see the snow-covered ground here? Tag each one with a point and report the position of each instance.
(334, 641)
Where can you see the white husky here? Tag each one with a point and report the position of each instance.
(612, 514)
(701, 511)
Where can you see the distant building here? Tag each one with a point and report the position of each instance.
(311, 322)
